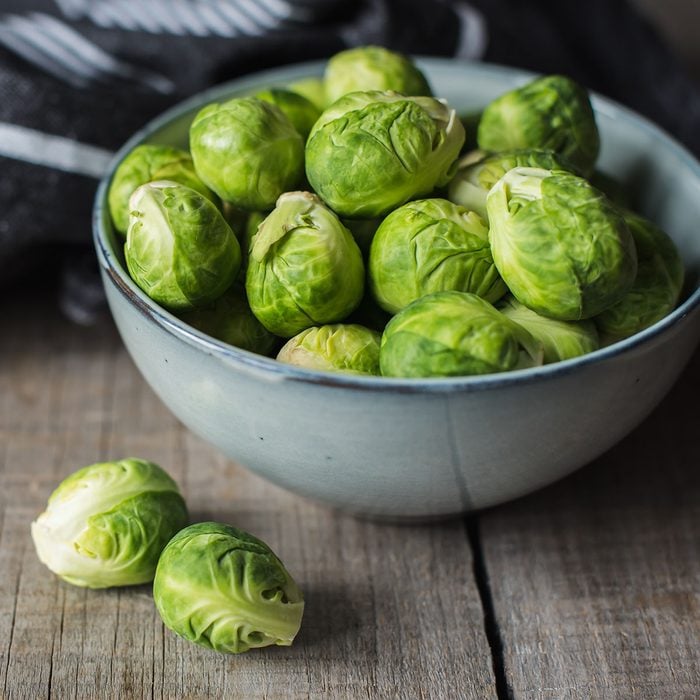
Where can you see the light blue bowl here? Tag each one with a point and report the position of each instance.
(395, 448)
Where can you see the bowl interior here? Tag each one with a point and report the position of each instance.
(662, 177)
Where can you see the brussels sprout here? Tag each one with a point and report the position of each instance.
(431, 245)
(179, 249)
(474, 178)
(106, 524)
(372, 68)
(553, 113)
(453, 334)
(230, 319)
(304, 267)
(656, 288)
(247, 151)
(342, 347)
(562, 247)
(222, 588)
(372, 151)
(298, 109)
(560, 340)
(313, 89)
(147, 163)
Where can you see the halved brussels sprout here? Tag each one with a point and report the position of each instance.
(372, 68)
(107, 524)
(552, 112)
(561, 340)
(247, 151)
(179, 249)
(476, 176)
(657, 286)
(304, 267)
(561, 246)
(340, 347)
(230, 319)
(431, 245)
(454, 334)
(147, 163)
(298, 109)
(222, 588)
(370, 152)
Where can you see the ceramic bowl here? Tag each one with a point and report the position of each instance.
(396, 448)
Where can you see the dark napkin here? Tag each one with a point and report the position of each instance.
(92, 72)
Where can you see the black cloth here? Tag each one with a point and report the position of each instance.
(94, 71)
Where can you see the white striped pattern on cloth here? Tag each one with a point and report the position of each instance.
(226, 18)
(52, 151)
(60, 50)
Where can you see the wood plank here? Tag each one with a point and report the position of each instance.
(391, 611)
(596, 581)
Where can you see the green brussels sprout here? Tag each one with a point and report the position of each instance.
(304, 267)
(561, 340)
(147, 163)
(431, 245)
(179, 248)
(372, 68)
(562, 247)
(230, 319)
(107, 524)
(247, 151)
(313, 89)
(453, 334)
(370, 152)
(298, 109)
(341, 347)
(474, 178)
(656, 289)
(552, 112)
(222, 588)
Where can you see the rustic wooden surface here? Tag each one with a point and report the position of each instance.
(589, 589)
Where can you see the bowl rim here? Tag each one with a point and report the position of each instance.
(273, 370)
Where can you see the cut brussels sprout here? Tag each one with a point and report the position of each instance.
(247, 151)
(552, 113)
(657, 286)
(298, 109)
(431, 245)
(107, 524)
(341, 347)
(370, 152)
(476, 176)
(562, 247)
(147, 163)
(561, 340)
(179, 249)
(372, 68)
(304, 267)
(454, 334)
(230, 319)
(222, 588)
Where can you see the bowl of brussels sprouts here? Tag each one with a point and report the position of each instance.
(405, 306)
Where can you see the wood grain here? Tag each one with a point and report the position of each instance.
(391, 611)
(595, 582)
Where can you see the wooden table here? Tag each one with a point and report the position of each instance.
(588, 589)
